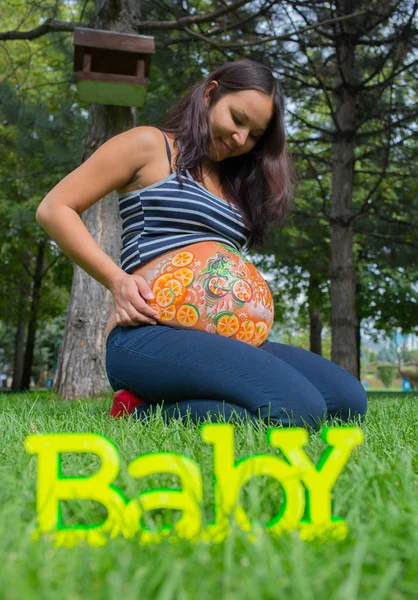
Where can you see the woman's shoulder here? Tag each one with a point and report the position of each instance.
(144, 133)
(144, 142)
(147, 144)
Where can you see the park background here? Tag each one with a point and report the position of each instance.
(343, 272)
(363, 109)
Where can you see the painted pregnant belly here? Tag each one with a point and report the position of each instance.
(211, 287)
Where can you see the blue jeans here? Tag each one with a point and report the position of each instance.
(204, 373)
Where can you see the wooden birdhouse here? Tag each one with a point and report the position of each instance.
(112, 67)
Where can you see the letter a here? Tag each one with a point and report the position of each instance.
(189, 499)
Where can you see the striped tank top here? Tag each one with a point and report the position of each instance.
(163, 216)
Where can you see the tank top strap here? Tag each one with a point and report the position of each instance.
(168, 150)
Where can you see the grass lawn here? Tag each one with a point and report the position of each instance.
(376, 494)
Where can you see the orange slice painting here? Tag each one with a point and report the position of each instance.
(175, 286)
(160, 282)
(168, 313)
(227, 324)
(185, 276)
(188, 315)
(242, 290)
(182, 259)
(261, 330)
(165, 297)
(246, 331)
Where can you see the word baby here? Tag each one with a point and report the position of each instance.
(305, 486)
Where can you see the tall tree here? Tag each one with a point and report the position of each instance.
(347, 79)
(39, 143)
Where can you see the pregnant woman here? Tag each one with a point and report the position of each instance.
(192, 315)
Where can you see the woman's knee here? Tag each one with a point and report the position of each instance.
(197, 411)
(352, 404)
(344, 395)
(310, 411)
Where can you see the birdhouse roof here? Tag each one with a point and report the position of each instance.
(114, 40)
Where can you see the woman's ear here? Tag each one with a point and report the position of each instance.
(210, 90)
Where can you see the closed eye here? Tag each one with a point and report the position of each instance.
(255, 137)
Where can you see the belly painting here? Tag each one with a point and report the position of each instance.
(210, 286)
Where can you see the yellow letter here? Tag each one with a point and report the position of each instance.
(189, 499)
(229, 477)
(320, 480)
(53, 487)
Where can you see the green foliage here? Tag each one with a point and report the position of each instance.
(48, 340)
(411, 374)
(413, 356)
(41, 134)
(367, 356)
(386, 374)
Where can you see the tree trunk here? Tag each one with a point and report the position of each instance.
(343, 314)
(315, 316)
(342, 271)
(19, 347)
(36, 296)
(358, 329)
(81, 360)
(358, 337)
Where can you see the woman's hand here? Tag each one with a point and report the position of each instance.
(129, 294)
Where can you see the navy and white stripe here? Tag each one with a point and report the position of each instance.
(163, 216)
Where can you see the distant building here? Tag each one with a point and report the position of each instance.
(397, 339)
(409, 340)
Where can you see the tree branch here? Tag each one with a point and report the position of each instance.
(52, 263)
(52, 24)
(315, 127)
(315, 71)
(382, 236)
(27, 269)
(368, 204)
(413, 114)
(309, 140)
(314, 216)
(411, 224)
(372, 152)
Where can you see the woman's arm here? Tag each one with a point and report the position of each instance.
(109, 168)
(66, 228)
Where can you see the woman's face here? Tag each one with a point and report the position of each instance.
(238, 120)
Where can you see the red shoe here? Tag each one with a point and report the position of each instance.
(124, 402)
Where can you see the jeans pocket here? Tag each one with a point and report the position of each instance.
(138, 339)
(111, 343)
(113, 336)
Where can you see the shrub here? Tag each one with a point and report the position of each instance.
(386, 374)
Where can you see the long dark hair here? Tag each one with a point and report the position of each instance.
(260, 181)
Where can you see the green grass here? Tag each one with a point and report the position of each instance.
(376, 494)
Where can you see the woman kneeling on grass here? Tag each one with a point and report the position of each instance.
(192, 315)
